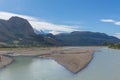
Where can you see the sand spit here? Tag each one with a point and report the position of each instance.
(73, 59)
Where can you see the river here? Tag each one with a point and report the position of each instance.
(104, 66)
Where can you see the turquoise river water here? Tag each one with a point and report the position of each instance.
(104, 66)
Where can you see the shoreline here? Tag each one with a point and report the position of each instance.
(5, 61)
(72, 59)
(74, 62)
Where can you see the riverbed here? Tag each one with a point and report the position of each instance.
(104, 66)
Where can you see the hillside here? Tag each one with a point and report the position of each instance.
(85, 38)
(17, 31)
(114, 46)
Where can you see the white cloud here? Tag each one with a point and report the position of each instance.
(40, 25)
(55, 32)
(50, 26)
(117, 23)
(117, 35)
(107, 20)
(111, 21)
(7, 15)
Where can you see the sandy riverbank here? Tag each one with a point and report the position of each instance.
(4, 61)
(73, 59)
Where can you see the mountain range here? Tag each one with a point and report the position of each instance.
(86, 38)
(18, 32)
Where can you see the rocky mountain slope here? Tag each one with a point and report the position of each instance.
(18, 31)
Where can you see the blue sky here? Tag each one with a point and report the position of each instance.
(84, 15)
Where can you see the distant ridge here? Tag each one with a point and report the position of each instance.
(86, 38)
